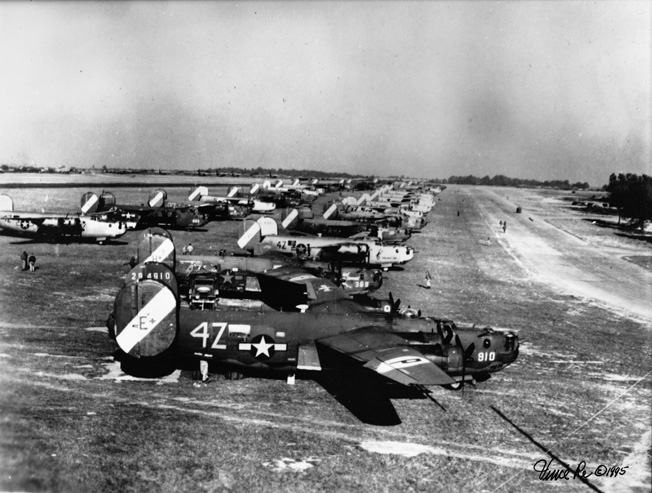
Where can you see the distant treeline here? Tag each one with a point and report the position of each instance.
(506, 181)
(273, 172)
(632, 195)
(226, 171)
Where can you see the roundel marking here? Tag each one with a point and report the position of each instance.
(262, 347)
(148, 332)
(24, 224)
(301, 249)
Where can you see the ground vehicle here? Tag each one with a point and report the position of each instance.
(202, 291)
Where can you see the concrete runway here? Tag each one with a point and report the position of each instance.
(566, 261)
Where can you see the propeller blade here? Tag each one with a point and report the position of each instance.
(449, 335)
(469, 351)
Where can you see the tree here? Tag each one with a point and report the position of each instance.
(632, 195)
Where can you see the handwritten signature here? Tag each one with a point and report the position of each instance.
(548, 473)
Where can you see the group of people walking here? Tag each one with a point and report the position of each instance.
(28, 262)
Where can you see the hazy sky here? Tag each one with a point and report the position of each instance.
(536, 89)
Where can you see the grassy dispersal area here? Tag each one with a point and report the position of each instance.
(69, 423)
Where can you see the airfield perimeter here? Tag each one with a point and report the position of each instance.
(70, 421)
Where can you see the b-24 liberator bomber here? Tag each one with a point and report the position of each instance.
(347, 349)
(157, 212)
(58, 227)
(237, 206)
(305, 221)
(262, 236)
(240, 271)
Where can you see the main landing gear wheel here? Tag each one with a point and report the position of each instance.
(233, 375)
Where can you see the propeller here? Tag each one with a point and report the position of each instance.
(393, 305)
(445, 338)
(467, 353)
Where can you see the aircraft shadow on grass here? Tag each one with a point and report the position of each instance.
(365, 394)
(367, 397)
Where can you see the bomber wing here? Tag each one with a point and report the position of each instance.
(387, 354)
(292, 286)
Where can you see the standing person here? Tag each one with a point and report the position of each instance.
(190, 248)
(504, 226)
(32, 262)
(23, 260)
(132, 262)
(203, 369)
(428, 279)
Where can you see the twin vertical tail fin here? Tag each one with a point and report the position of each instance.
(157, 198)
(146, 310)
(330, 212)
(6, 203)
(251, 233)
(291, 217)
(91, 203)
(197, 193)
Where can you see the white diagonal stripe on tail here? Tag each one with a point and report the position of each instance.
(291, 217)
(330, 211)
(156, 199)
(149, 316)
(248, 235)
(91, 201)
(196, 194)
(162, 252)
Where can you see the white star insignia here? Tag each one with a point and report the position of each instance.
(262, 347)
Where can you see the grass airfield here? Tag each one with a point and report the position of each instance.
(70, 421)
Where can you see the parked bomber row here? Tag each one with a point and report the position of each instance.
(294, 300)
(102, 218)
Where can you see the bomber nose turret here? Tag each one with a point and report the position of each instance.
(511, 347)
